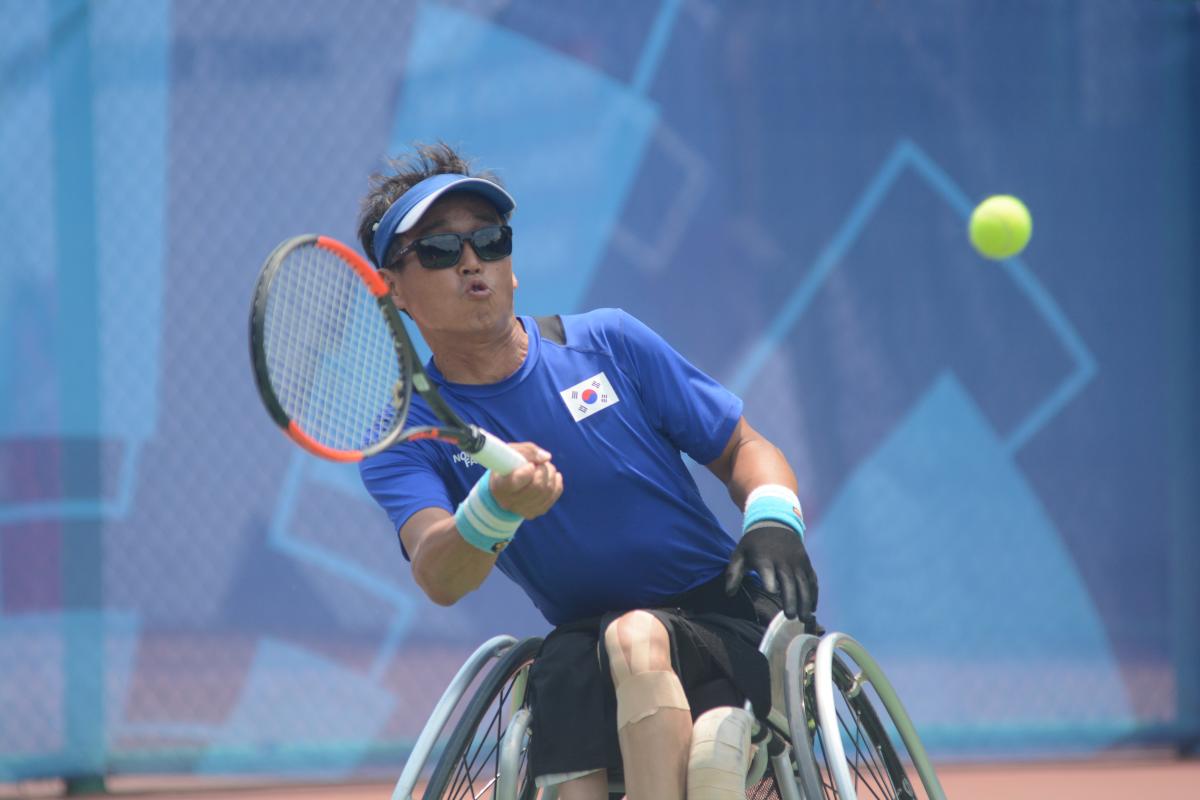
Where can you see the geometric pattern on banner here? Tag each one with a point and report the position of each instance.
(939, 558)
(590, 132)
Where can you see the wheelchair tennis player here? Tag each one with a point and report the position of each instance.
(656, 618)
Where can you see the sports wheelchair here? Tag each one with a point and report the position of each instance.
(823, 738)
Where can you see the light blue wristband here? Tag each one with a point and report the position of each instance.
(482, 522)
(773, 504)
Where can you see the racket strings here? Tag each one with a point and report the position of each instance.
(329, 351)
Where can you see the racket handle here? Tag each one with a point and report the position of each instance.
(496, 455)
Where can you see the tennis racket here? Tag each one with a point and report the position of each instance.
(334, 364)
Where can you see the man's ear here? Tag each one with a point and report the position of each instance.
(394, 288)
(515, 282)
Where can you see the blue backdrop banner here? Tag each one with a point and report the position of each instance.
(998, 460)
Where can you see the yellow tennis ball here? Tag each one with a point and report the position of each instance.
(1000, 227)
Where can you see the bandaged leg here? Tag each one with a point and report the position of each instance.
(654, 721)
(720, 755)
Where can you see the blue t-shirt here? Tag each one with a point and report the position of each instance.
(615, 406)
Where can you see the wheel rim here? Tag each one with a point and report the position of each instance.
(475, 774)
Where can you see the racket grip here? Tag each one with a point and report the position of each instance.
(496, 455)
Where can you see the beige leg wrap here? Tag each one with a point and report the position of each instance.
(640, 661)
(654, 720)
(720, 755)
(646, 693)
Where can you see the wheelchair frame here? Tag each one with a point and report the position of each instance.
(796, 770)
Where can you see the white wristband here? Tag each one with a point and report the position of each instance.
(482, 522)
(773, 504)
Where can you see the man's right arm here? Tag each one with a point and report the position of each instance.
(444, 564)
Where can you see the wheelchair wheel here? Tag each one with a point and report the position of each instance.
(875, 765)
(470, 764)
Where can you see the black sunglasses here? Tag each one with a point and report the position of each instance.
(444, 250)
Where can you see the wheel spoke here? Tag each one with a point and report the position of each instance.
(869, 754)
(877, 782)
(493, 750)
(475, 760)
(875, 769)
(827, 773)
(470, 765)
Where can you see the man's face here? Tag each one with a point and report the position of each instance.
(473, 295)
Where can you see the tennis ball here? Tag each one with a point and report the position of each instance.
(1000, 227)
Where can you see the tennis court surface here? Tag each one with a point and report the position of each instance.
(1124, 778)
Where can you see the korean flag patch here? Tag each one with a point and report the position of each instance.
(589, 396)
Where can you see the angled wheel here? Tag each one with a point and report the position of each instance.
(875, 767)
(470, 764)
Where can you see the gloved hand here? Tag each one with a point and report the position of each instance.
(777, 554)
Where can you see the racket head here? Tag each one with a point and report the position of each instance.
(328, 349)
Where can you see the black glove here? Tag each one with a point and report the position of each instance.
(777, 554)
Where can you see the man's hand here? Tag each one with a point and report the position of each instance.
(777, 554)
(530, 489)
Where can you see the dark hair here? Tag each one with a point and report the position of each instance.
(425, 161)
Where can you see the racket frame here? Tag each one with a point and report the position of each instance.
(467, 437)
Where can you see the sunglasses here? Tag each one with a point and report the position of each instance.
(444, 250)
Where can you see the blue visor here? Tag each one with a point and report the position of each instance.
(409, 207)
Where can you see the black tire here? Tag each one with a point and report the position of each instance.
(874, 762)
(463, 770)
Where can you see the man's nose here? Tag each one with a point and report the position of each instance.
(469, 260)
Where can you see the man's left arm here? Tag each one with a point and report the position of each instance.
(761, 482)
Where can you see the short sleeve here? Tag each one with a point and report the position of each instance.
(404, 481)
(687, 406)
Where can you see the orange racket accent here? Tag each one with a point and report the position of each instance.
(433, 434)
(317, 449)
(376, 284)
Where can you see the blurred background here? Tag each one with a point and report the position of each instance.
(998, 460)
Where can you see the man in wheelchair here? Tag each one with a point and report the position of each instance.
(656, 616)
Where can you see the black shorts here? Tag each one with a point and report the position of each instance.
(714, 650)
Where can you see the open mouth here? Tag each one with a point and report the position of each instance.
(478, 289)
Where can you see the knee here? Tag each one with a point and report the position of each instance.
(639, 658)
(637, 642)
(720, 754)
